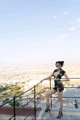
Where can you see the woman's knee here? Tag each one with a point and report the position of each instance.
(47, 94)
(60, 99)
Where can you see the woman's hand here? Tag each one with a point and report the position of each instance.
(42, 80)
(67, 78)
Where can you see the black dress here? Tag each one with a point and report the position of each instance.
(57, 84)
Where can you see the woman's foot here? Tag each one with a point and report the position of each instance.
(60, 114)
(47, 109)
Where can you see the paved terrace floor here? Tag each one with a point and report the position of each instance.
(67, 115)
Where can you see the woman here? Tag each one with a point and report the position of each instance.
(58, 86)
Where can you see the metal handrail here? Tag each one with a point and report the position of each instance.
(6, 103)
(34, 98)
(24, 92)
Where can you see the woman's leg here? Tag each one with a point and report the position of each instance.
(60, 99)
(48, 94)
(61, 104)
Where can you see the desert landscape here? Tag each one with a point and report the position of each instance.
(34, 73)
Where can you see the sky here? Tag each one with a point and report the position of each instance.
(39, 32)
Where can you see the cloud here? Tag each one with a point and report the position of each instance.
(66, 12)
(54, 16)
(62, 36)
(77, 20)
(72, 28)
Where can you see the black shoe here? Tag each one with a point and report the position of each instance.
(60, 114)
(47, 109)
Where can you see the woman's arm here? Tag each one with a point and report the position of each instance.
(67, 78)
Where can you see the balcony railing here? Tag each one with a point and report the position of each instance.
(34, 99)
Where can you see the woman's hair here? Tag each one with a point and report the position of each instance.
(61, 63)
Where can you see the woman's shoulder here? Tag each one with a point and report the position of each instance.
(62, 71)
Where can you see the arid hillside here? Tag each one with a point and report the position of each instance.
(34, 73)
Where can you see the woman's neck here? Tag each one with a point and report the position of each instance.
(59, 68)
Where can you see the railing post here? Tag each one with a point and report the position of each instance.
(50, 89)
(50, 83)
(14, 108)
(76, 105)
(35, 102)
